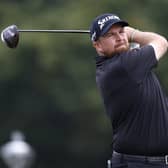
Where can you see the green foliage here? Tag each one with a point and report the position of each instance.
(47, 84)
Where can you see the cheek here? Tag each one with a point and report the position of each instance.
(127, 43)
(108, 44)
(126, 40)
(108, 47)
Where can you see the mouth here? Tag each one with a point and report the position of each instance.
(119, 45)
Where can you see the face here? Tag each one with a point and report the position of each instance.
(113, 42)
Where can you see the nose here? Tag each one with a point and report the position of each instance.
(118, 36)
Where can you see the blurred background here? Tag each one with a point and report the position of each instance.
(47, 84)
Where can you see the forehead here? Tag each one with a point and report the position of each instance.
(116, 27)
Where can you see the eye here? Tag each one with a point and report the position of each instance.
(121, 31)
(110, 34)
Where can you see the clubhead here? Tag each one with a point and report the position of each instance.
(10, 36)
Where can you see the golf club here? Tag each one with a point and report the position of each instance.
(10, 35)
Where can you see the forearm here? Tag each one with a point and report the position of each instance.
(141, 37)
(158, 42)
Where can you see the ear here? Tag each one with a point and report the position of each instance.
(97, 45)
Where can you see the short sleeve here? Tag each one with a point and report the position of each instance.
(139, 62)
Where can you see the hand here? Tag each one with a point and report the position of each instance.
(129, 31)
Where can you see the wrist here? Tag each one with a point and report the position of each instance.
(130, 33)
(131, 39)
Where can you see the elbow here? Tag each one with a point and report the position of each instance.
(160, 47)
(164, 44)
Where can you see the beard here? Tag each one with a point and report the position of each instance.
(118, 49)
(121, 49)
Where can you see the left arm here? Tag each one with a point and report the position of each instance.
(158, 42)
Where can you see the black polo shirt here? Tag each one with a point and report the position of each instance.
(134, 101)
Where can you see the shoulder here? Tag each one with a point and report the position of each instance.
(147, 49)
(139, 54)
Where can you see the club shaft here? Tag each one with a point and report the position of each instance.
(54, 31)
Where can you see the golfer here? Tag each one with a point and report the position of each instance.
(132, 95)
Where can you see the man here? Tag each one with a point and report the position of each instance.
(131, 92)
